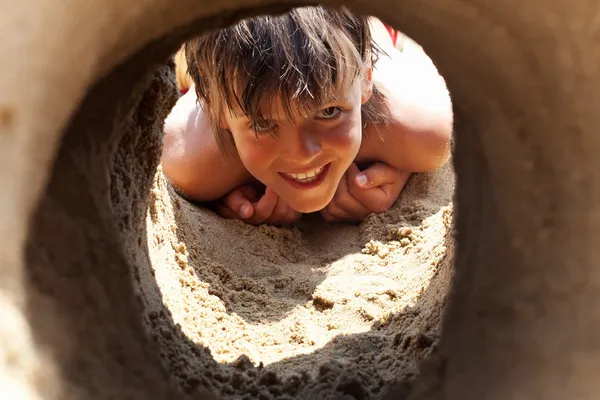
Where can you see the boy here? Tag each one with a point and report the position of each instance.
(299, 113)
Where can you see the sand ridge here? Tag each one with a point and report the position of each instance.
(300, 304)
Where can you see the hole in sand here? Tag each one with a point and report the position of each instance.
(311, 311)
(283, 310)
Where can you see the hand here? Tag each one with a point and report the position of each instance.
(359, 194)
(246, 204)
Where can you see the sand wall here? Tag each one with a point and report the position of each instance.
(83, 92)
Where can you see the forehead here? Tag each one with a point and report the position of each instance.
(283, 107)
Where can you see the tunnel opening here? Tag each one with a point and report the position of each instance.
(526, 198)
(234, 310)
(310, 310)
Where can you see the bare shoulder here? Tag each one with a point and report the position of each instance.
(190, 150)
(183, 122)
(185, 130)
(187, 146)
(408, 78)
(419, 110)
(413, 88)
(380, 34)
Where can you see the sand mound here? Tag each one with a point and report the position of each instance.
(289, 311)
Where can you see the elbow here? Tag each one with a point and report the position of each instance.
(187, 185)
(436, 137)
(433, 147)
(174, 172)
(192, 176)
(179, 173)
(440, 147)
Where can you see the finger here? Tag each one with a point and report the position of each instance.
(374, 199)
(378, 174)
(381, 198)
(337, 213)
(249, 193)
(343, 207)
(296, 215)
(356, 213)
(334, 208)
(264, 207)
(344, 199)
(239, 204)
(280, 213)
(326, 216)
(376, 193)
(283, 213)
(225, 211)
(334, 213)
(352, 171)
(292, 215)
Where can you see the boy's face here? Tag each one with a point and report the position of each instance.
(304, 161)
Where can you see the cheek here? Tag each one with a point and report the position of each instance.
(256, 155)
(347, 135)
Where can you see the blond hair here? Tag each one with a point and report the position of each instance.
(184, 80)
(302, 58)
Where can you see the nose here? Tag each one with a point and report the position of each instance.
(300, 145)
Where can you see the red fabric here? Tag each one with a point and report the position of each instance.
(393, 34)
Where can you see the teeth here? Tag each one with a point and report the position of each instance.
(307, 177)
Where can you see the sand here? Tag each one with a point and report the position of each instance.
(523, 314)
(314, 310)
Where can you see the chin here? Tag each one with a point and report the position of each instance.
(307, 202)
(310, 208)
(307, 207)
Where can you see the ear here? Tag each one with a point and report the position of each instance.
(367, 86)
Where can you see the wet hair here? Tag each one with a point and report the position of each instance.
(301, 58)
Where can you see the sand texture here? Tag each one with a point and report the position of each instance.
(312, 310)
(80, 139)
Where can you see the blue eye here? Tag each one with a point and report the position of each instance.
(329, 113)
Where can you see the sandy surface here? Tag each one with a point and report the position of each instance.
(285, 310)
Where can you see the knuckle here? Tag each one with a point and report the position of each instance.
(380, 207)
(340, 192)
(327, 215)
(346, 201)
(338, 214)
(335, 198)
(258, 219)
(357, 191)
(230, 199)
(293, 217)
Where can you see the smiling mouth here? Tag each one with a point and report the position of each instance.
(308, 179)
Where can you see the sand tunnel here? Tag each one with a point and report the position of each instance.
(87, 222)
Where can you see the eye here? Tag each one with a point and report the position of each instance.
(263, 126)
(329, 113)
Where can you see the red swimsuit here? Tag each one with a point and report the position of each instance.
(393, 33)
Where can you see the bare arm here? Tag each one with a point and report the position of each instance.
(191, 159)
(419, 109)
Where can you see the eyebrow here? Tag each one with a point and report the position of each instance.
(239, 113)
